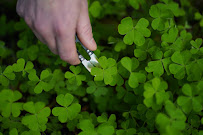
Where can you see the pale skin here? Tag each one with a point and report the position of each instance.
(55, 23)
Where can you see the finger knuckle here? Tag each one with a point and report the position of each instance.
(59, 29)
(65, 57)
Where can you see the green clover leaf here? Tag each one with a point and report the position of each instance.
(37, 118)
(31, 132)
(105, 130)
(196, 46)
(155, 90)
(103, 119)
(126, 129)
(135, 34)
(13, 131)
(158, 66)
(69, 111)
(8, 103)
(161, 14)
(75, 77)
(179, 67)
(95, 9)
(120, 92)
(135, 77)
(41, 84)
(171, 36)
(135, 3)
(180, 44)
(120, 46)
(28, 52)
(107, 70)
(198, 16)
(195, 70)
(141, 51)
(174, 122)
(96, 88)
(191, 100)
(174, 7)
(6, 75)
(4, 51)
(21, 67)
(117, 80)
(130, 64)
(88, 128)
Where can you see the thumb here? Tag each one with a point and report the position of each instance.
(84, 28)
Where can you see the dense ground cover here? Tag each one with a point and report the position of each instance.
(150, 80)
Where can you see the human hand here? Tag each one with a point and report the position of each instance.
(55, 23)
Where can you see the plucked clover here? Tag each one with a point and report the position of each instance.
(88, 128)
(180, 65)
(191, 99)
(96, 88)
(161, 14)
(75, 77)
(8, 103)
(196, 46)
(135, 34)
(21, 67)
(37, 118)
(158, 66)
(69, 110)
(6, 75)
(172, 123)
(41, 83)
(107, 70)
(155, 90)
(95, 9)
(135, 77)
